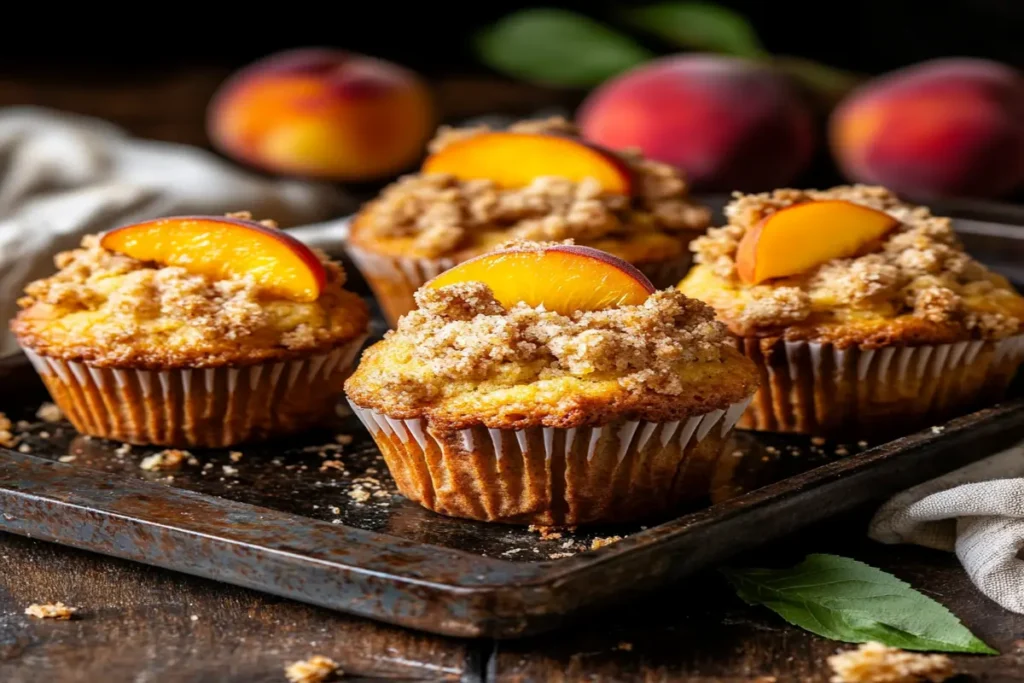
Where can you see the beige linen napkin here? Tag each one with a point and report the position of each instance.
(977, 512)
(66, 176)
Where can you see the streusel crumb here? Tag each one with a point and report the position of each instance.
(316, 669)
(51, 610)
(604, 541)
(443, 215)
(876, 663)
(49, 412)
(110, 309)
(170, 459)
(919, 269)
(7, 439)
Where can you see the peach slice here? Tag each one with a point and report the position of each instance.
(562, 278)
(515, 159)
(802, 236)
(220, 247)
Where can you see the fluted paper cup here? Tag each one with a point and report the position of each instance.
(543, 475)
(394, 280)
(201, 407)
(817, 388)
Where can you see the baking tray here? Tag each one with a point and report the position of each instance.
(277, 519)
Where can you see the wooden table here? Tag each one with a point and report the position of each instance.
(144, 624)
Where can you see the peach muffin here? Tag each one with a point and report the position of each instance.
(192, 331)
(591, 398)
(862, 312)
(536, 181)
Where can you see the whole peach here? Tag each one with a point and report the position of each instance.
(943, 128)
(323, 113)
(728, 123)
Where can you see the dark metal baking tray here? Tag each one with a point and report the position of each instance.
(277, 520)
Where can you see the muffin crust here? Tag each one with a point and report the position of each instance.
(915, 286)
(463, 359)
(438, 215)
(108, 309)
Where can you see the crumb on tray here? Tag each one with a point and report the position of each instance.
(50, 610)
(170, 459)
(235, 456)
(877, 663)
(332, 465)
(49, 412)
(6, 435)
(602, 542)
(547, 533)
(313, 670)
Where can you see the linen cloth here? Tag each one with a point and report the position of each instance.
(976, 512)
(65, 176)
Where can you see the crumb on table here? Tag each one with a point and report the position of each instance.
(877, 663)
(332, 465)
(343, 439)
(602, 542)
(235, 456)
(170, 459)
(50, 610)
(313, 670)
(49, 412)
(6, 435)
(66, 458)
(547, 533)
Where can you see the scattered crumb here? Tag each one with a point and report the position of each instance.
(862, 444)
(568, 544)
(627, 647)
(229, 470)
(332, 465)
(6, 437)
(547, 533)
(24, 448)
(194, 617)
(381, 494)
(938, 430)
(51, 610)
(817, 441)
(169, 459)
(559, 556)
(842, 451)
(23, 425)
(208, 466)
(66, 458)
(123, 449)
(876, 663)
(359, 495)
(49, 412)
(44, 434)
(313, 670)
(602, 542)
(343, 439)
(235, 456)
(772, 449)
(737, 453)
(371, 470)
(335, 510)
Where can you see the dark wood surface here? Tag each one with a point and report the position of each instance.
(136, 622)
(136, 625)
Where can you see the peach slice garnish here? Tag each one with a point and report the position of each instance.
(221, 247)
(563, 278)
(795, 239)
(514, 160)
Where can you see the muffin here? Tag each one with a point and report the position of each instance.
(197, 331)
(558, 408)
(536, 181)
(862, 312)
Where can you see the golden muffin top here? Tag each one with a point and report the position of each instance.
(913, 285)
(462, 358)
(437, 214)
(109, 309)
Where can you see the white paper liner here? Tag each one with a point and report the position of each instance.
(548, 475)
(811, 387)
(209, 407)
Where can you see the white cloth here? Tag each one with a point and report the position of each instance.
(65, 176)
(977, 512)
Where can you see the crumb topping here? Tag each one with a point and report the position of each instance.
(920, 270)
(442, 215)
(462, 333)
(54, 610)
(111, 309)
(316, 669)
(876, 663)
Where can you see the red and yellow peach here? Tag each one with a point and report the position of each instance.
(323, 113)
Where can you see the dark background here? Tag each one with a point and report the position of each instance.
(433, 37)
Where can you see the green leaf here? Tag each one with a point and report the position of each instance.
(557, 47)
(699, 26)
(843, 599)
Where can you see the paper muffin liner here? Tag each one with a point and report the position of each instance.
(544, 475)
(394, 280)
(818, 388)
(201, 407)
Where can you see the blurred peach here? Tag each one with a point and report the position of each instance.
(943, 128)
(728, 123)
(323, 113)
